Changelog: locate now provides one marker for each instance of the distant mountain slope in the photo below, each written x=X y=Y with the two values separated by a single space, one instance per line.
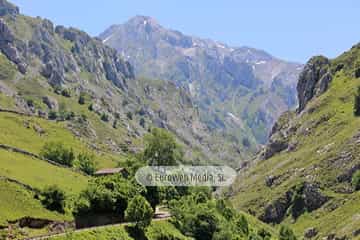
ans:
x=303 y=177
x=239 y=91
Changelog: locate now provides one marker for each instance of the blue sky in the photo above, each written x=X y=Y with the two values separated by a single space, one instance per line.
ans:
x=292 y=30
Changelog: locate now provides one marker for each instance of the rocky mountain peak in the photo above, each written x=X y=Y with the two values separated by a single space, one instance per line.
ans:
x=140 y=20
x=8 y=8
x=313 y=80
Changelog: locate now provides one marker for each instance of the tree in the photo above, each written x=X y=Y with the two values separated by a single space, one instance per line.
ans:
x=139 y=212
x=286 y=233
x=152 y=195
x=357 y=103
x=54 y=199
x=57 y=152
x=355 y=181
x=161 y=148
x=87 y=163
x=108 y=194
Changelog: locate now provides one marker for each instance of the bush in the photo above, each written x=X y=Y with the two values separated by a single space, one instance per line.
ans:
x=91 y=107
x=129 y=115
x=81 y=100
x=87 y=163
x=242 y=225
x=57 y=152
x=355 y=181
x=286 y=233
x=54 y=199
x=66 y=93
x=142 y=122
x=104 y=117
x=357 y=103
x=52 y=115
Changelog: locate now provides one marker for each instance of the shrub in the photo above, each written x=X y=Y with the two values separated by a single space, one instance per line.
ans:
x=57 y=152
x=30 y=103
x=91 y=107
x=355 y=181
x=81 y=100
x=286 y=233
x=66 y=93
x=54 y=199
x=52 y=115
x=242 y=225
x=129 y=115
x=357 y=103
x=142 y=122
x=104 y=117
x=87 y=163
x=115 y=124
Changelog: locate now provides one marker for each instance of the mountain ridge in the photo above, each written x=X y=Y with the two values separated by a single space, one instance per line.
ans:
x=222 y=80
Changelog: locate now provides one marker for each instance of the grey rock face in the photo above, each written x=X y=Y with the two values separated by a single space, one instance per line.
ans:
x=275 y=211
x=313 y=80
x=7 y=8
x=310 y=232
x=8 y=46
x=313 y=198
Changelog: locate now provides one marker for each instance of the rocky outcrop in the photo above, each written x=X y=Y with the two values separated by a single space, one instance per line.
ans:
x=9 y=48
x=310 y=233
x=308 y=194
x=276 y=211
x=62 y=51
x=7 y=8
x=313 y=80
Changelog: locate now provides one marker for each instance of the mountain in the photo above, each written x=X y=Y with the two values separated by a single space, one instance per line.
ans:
x=240 y=91
x=54 y=61
x=306 y=174
x=70 y=105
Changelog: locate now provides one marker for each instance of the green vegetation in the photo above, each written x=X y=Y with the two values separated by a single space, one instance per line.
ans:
x=40 y=174
x=16 y=202
x=286 y=233
x=161 y=148
x=57 y=152
x=197 y=215
x=322 y=134
x=107 y=233
x=54 y=199
x=357 y=103
x=355 y=181
x=87 y=163
x=105 y=195
x=139 y=212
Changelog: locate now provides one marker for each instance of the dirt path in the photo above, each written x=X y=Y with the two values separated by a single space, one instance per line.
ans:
x=160 y=215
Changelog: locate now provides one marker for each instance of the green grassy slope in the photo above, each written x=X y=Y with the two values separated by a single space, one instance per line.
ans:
x=325 y=132
x=16 y=202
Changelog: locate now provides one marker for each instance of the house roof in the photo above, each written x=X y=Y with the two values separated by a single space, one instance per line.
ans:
x=109 y=171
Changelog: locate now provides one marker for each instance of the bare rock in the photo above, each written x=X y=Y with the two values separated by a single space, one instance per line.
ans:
x=310 y=232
